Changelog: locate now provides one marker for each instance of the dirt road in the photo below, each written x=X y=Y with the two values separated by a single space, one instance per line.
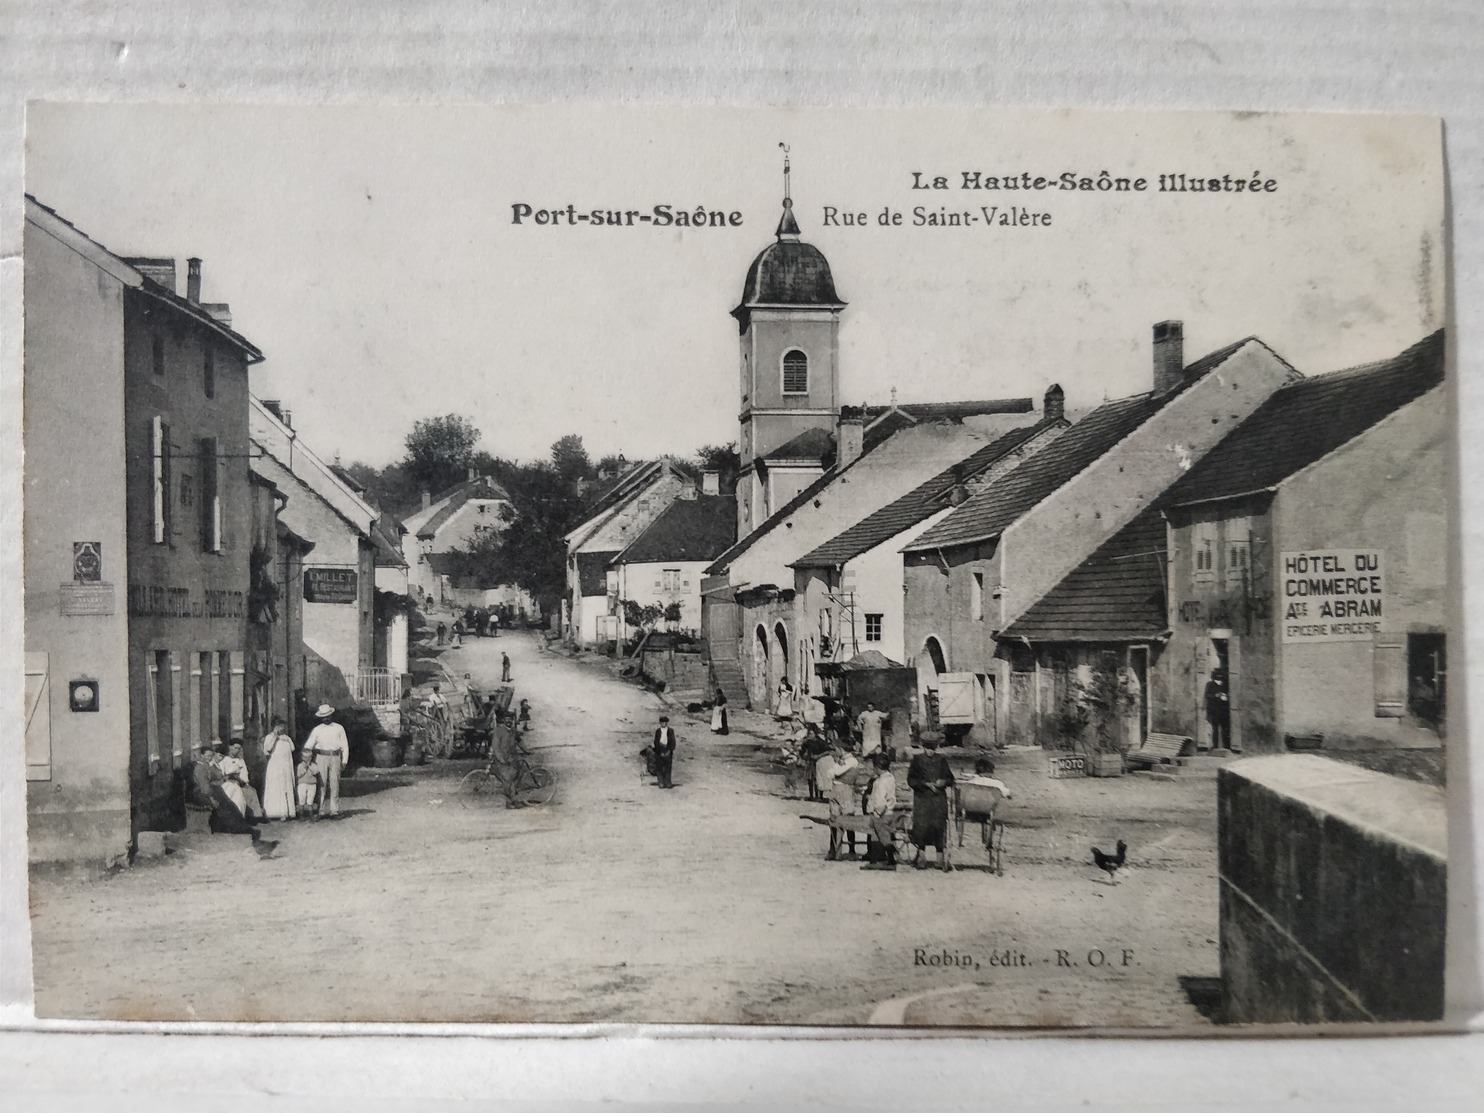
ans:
x=623 y=902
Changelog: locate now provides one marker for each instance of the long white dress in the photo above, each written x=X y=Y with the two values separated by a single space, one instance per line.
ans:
x=785 y=706
x=278 y=779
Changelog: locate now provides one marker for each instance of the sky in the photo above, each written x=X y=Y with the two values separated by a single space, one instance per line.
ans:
x=371 y=251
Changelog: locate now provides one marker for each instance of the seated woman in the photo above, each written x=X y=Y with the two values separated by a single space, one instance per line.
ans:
x=236 y=784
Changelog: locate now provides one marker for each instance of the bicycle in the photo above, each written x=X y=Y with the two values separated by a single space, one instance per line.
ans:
x=532 y=785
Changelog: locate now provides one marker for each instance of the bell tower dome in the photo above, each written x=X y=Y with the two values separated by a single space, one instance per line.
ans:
x=789 y=322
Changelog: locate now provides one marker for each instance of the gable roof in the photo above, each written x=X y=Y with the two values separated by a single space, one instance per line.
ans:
x=479 y=489
x=48 y=220
x=1117 y=593
x=806 y=494
x=884 y=421
x=814 y=444
x=920 y=503
x=690 y=530
x=987 y=514
x=1301 y=423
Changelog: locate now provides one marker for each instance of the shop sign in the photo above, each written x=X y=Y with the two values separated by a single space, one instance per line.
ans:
x=87 y=599
x=1331 y=595
x=330 y=585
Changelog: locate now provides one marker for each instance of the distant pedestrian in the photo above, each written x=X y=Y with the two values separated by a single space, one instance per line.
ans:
x=784 y=707
x=458 y=634
x=504 y=667
x=278 y=777
x=442 y=633
x=1218 y=710
x=525 y=715
x=330 y=748
x=664 y=754
x=719 y=714
x=869 y=725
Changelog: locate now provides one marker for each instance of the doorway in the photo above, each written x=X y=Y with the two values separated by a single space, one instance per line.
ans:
x=1136 y=722
x=1216 y=698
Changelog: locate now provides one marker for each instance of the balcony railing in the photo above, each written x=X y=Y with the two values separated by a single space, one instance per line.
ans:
x=377 y=685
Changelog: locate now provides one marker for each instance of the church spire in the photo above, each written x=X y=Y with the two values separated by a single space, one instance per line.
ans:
x=788 y=228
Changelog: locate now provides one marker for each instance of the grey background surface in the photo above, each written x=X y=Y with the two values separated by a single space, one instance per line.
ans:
x=1423 y=56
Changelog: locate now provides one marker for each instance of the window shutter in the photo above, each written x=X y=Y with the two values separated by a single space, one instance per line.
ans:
x=38 y=716
x=1389 y=662
x=795 y=372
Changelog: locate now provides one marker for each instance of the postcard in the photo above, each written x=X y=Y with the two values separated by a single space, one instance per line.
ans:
x=879 y=568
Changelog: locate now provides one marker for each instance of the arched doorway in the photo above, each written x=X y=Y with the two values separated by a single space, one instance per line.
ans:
x=780 y=655
x=930 y=664
x=761 y=676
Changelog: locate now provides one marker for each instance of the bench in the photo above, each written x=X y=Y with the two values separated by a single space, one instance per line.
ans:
x=1159 y=748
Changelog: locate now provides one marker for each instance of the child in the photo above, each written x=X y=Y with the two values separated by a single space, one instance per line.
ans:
x=306 y=778
x=881 y=800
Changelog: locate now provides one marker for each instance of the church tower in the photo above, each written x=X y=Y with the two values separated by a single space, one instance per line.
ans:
x=789 y=321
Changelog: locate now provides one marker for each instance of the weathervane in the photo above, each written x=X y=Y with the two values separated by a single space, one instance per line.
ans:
x=787 y=192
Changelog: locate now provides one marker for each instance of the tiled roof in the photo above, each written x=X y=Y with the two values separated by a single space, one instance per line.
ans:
x=479 y=489
x=1117 y=593
x=919 y=504
x=805 y=495
x=986 y=514
x=813 y=445
x=1302 y=422
x=687 y=531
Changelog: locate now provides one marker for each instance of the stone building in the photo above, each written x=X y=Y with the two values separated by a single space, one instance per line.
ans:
x=137 y=537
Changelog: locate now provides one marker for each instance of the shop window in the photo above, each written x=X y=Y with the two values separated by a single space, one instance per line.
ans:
x=873 y=628
x=795 y=373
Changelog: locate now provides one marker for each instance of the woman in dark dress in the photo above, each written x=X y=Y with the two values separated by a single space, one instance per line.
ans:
x=930 y=777
x=719 y=714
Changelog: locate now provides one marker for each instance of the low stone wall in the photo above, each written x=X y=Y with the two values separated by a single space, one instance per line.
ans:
x=677 y=670
x=1333 y=893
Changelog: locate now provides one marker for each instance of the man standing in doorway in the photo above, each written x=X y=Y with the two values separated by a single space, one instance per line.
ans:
x=664 y=753
x=1218 y=710
x=330 y=748
x=869 y=724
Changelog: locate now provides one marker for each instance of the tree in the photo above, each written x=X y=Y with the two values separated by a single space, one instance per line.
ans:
x=722 y=460
x=439 y=451
x=569 y=458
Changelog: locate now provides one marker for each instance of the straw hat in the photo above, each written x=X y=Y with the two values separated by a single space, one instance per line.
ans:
x=325 y=710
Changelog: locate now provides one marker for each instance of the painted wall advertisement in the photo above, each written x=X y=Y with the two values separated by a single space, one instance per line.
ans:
x=1331 y=595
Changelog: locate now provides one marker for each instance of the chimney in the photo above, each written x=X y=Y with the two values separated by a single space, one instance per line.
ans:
x=960 y=491
x=688 y=489
x=849 y=438
x=161 y=269
x=1169 y=356
x=275 y=406
x=288 y=418
x=1054 y=403
x=222 y=312
x=711 y=482
x=427 y=500
x=193 y=279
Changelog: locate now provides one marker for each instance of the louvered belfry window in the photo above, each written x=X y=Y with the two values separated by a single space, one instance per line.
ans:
x=795 y=372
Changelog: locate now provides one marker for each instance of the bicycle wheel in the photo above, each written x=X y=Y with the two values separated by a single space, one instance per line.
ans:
x=479 y=787
x=538 y=785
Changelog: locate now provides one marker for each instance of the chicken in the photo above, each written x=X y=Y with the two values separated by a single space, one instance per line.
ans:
x=1110 y=864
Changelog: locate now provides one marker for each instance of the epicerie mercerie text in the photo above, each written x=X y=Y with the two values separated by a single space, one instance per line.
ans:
x=659 y=217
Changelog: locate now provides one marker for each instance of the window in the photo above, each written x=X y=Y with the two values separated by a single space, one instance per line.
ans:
x=1236 y=564
x=158 y=346
x=159 y=436
x=1427 y=676
x=211 y=497
x=873 y=628
x=1204 y=567
x=671 y=580
x=204 y=726
x=795 y=372
x=208 y=371
x=976 y=596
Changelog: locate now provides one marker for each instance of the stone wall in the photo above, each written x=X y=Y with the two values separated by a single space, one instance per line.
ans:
x=1333 y=893
x=677 y=670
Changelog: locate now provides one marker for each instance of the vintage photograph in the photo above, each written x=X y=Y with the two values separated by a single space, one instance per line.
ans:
x=897 y=568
